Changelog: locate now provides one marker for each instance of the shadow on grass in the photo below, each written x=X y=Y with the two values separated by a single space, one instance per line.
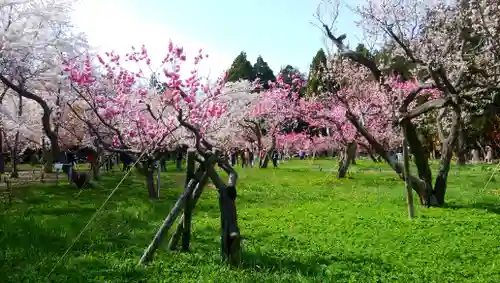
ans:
x=482 y=205
x=46 y=219
x=315 y=266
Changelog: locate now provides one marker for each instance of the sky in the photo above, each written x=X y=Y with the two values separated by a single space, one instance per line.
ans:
x=281 y=31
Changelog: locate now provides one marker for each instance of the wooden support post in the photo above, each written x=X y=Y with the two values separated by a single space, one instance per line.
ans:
x=188 y=207
x=170 y=219
x=158 y=178
x=174 y=240
x=406 y=172
x=190 y=165
x=230 y=234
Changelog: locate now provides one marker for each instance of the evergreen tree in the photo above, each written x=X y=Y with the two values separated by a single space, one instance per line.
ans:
x=263 y=72
x=362 y=48
x=241 y=69
x=313 y=83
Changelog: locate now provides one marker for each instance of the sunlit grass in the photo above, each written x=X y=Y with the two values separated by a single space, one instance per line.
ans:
x=300 y=225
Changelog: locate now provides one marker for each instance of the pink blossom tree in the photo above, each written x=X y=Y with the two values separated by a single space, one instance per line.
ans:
x=356 y=91
x=278 y=108
x=126 y=114
x=442 y=43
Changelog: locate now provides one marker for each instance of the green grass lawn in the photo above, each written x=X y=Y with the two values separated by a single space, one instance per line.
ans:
x=300 y=225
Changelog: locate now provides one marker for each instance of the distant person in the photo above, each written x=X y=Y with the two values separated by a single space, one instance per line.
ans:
x=179 y=160
x=71 y=158
x=126 y=160
x=489 y=154
x=233 y=157
x=163 y=164
x=246 y=158
x=243 y=160
x=302 y=155
x=274 y=158
x=251 y=157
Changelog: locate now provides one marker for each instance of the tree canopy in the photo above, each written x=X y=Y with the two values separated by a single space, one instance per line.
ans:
x=241 y=69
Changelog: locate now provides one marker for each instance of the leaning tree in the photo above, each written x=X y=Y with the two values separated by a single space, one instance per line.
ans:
x=453 y=48
x=356 y=91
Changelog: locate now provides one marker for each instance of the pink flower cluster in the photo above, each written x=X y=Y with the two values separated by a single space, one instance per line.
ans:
x=135 y=113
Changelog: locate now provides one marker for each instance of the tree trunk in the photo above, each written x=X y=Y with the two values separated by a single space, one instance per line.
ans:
x=14 y=157
x=421 y=161
x=15 y=147
x=442 y=175
x=418 y=184
x=353 y=158
x=2 y=157
x=265 y=162
x=49 y=161
x=151 y=185
x=428 y=195
x=95 y=169
x=47 y=111
x=447 y=145
x=460 y=149
x=95 y=164
x=148 y=171
x=346 y=159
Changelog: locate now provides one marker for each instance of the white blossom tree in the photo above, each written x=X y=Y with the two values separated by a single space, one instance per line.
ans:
x=37 y=39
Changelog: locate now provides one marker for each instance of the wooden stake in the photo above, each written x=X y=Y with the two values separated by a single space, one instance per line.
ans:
x=188 y=207
x=170 y=219
x=190 y=165
x=174 y=240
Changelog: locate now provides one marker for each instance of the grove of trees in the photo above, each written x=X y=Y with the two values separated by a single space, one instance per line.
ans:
x=433 y=81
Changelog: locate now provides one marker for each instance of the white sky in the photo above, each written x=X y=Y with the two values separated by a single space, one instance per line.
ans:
x=113 y=25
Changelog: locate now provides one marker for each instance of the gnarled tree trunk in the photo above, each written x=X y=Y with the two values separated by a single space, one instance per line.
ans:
x=429 y=195
x=14 y=150
x=95 y=164
x=46 y=124
x=2 y=157
x=265 y=162
x=147 y=169
x=346 y=159
x=460 y=147
x=14 y=172
x=48 y=159
x=150 y=183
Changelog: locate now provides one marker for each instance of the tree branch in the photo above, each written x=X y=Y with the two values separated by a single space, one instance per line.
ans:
x=426 y=107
